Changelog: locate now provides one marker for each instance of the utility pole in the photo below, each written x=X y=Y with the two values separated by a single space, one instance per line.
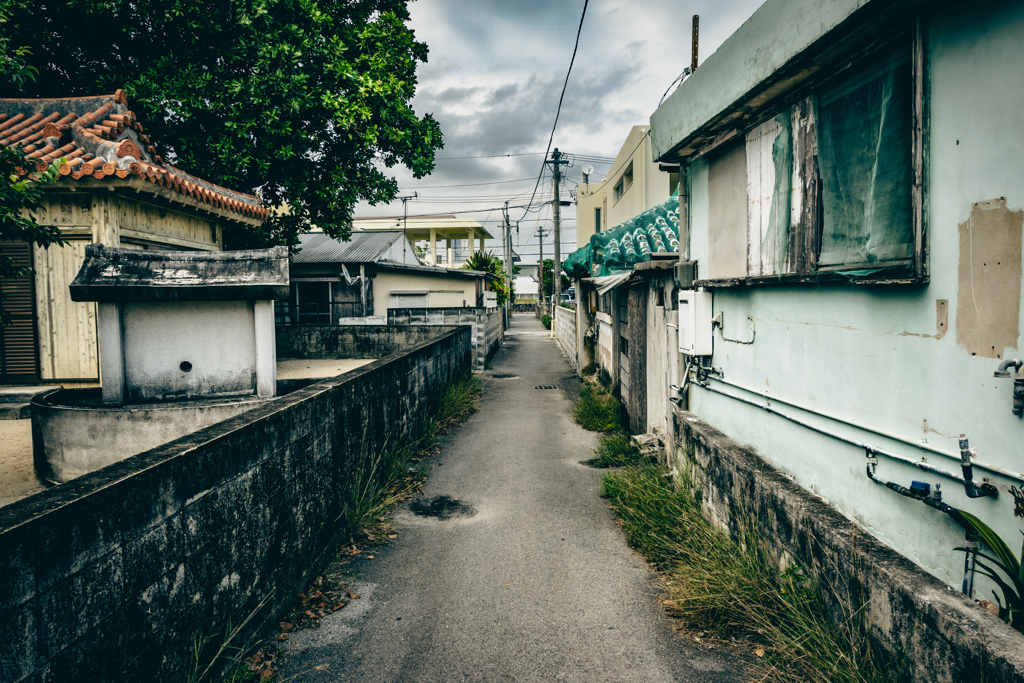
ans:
x=506 y=230
x=556 y=172
x=540 y=290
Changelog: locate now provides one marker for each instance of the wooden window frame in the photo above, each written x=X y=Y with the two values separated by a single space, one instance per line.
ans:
x=805 y=242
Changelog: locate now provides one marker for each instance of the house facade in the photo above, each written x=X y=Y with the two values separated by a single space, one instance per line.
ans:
x=114 y=189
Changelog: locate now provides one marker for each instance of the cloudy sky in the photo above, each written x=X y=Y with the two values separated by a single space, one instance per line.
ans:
x=493 y=78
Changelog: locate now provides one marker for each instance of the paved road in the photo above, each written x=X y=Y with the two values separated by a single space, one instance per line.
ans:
x=538 y=585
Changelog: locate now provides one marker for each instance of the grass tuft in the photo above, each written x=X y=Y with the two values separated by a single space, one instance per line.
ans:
x=733 y=586
x=545 y=320
x=597 y=409
x=615 y=450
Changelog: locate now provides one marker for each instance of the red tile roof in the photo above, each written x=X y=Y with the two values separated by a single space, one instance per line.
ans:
x=101 y=138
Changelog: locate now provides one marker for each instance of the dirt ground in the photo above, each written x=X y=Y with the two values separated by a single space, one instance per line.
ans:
x=17 y=478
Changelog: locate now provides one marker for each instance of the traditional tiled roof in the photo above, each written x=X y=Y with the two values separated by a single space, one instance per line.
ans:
x=101 y=138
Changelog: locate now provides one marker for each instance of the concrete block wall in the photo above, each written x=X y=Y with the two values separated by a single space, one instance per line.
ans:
x=487 y=323
x=920 y=622
x=110 y=577
x=564 y=326
x=351 y=341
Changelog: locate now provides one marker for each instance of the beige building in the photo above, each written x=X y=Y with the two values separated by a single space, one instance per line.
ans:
x=115 y=190
x=634 y=184
x=443 y=240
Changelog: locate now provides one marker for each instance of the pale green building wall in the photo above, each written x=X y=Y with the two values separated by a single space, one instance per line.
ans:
x=870 y=355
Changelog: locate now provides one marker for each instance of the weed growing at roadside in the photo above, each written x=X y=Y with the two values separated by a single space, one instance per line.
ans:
x=597 y=410
x=545 y=320
x=734 y=586
x=615 y=450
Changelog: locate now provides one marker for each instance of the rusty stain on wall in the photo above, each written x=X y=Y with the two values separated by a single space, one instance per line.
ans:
x=988 y=293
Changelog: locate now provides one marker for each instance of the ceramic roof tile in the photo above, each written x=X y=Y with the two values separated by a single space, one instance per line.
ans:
x=99 y=137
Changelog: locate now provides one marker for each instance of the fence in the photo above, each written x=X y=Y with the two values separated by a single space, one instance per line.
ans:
x=564 y=326
x=488 y=326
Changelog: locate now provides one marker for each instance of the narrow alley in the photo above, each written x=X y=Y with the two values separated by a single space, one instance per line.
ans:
x=533 y=582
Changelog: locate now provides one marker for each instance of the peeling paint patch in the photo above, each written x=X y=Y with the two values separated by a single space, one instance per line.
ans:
x=989 y=278
x=941 y=322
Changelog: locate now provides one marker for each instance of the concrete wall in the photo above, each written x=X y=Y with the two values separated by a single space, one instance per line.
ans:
x=352 y=341
x=877 y=364
x=442 y=292
x=915 y=620
x=487 y=324
x=564 y=326
x=112 y=577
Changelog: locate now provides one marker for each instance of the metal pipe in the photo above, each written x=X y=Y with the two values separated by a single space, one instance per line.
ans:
x=918 y=444
x=889 y=454
x=1004 y=367
x=972 y=490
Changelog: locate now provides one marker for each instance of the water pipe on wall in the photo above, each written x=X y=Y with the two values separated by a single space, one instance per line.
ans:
x=922 y=491
x=1018 y=382
x=973 y=490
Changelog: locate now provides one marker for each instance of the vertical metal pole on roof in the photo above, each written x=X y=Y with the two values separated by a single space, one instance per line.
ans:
x=696 y=33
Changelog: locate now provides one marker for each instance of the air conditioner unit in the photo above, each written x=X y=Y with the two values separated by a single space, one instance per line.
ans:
x=695 y=338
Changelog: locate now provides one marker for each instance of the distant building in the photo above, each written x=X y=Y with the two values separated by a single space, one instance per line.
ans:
x=461 y=236
x=114 y=190
x=527 y=282
x=335 y=282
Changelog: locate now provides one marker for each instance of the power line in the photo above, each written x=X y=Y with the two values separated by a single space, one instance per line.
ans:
x=491 y=156
x=437 y=187
x=558 y=111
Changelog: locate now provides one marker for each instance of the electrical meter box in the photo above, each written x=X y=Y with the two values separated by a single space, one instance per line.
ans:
x=694 y=322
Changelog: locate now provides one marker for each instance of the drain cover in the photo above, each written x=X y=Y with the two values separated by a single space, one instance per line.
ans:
x=441 y=507
x=504 y=376
x=546 y=386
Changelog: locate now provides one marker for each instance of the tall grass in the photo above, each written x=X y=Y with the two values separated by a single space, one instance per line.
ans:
x=597 y=409
x=615 y=450
x=734 y=586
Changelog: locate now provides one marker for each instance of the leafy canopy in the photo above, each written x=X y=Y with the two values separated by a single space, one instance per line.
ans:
x=488 y=262
x=306 y=102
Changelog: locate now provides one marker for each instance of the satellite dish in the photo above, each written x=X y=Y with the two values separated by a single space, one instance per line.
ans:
x=588 y=170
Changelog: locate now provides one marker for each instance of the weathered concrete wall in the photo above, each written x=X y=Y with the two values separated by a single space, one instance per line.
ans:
x=921 y=623
x=488 y=328
x=111 y=577
x=907 y=369
x=352 y=341
x=564 y=326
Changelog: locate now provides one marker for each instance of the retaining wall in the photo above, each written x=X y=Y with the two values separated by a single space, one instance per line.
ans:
x=564 y=326
x=351 y=341
x=110 y=577
x=923 y=625
x=487 y=323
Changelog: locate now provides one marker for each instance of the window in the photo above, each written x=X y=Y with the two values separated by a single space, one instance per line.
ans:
x=597 y=219
x=409 y=299
x=825 y=188
x=625 y=181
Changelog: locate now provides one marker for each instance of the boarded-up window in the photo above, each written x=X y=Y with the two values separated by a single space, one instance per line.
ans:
x=864 y=155
x=409 y=300
x=727 y=213
x=770 y=185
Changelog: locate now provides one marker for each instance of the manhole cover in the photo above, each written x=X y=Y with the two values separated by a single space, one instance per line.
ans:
x=546 y=386
x=504 y=376
x=441 y=507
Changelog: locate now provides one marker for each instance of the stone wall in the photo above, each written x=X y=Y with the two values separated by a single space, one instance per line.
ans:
x=564 y=326
x=488 y=327
x=920 y=622
x=111 y=577
x=351 y=341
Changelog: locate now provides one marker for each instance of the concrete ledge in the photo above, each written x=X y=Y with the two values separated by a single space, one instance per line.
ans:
x=919 y=621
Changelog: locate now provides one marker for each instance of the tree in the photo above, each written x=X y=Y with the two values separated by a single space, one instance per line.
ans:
x=20 y=193
x=549 y=280
x=305 y=102
x=488 y=262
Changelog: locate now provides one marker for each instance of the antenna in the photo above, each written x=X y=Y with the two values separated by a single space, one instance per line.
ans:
x=587 y=170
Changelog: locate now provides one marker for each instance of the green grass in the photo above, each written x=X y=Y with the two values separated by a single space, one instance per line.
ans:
x=597 y=409
x=545 y=320
x=734 y=587
x=615 y=450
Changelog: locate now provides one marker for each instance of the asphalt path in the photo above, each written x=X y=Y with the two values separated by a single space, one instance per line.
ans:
x=529 y=580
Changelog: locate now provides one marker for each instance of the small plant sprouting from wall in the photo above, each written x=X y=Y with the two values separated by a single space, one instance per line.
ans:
x=734 y=586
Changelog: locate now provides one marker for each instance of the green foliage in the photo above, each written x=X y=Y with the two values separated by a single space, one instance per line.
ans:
x=306 y=101
x=733 y=586
x=597 y=409
x=545 y=320
x=488 y=262
x=615 y=450
x=1009 y=578
x=549 y=279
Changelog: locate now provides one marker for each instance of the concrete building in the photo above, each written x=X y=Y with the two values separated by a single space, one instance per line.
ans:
x=634 y=184
x=462 y=236
x=356 y=282
x=527 y=282
x=115 y=190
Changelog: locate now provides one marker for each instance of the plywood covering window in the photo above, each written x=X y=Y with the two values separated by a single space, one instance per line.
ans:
x=830 y=187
